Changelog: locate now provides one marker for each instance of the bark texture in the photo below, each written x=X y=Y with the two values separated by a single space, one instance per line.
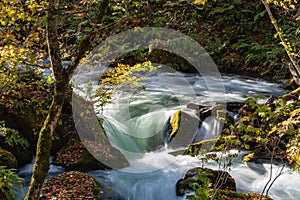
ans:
x=62 y=77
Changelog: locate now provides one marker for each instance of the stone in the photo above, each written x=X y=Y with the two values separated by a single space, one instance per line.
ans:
x=75 y=156
x=218 y=178
x=76 y=185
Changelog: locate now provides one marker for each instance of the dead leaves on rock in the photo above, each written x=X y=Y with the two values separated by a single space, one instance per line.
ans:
x=70 y=185
x=70 y=154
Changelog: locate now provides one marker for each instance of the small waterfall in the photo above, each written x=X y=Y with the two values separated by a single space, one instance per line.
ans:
x=137 y=135
x=252 y=177
x=209 y=129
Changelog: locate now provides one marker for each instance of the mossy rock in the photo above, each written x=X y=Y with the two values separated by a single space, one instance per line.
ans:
x=23 y=155
x=184 y=127
x=27 y=122
x=8 y=159
x=217 y=178
x=229 y=195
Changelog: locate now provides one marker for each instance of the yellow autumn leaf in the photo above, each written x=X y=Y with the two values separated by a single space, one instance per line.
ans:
x=36 y=39
x=199 y=2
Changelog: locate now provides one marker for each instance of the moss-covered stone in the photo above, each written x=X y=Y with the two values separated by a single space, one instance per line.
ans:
x=217 y=178
x=8 y=159
x=197 y=148
x=229 y=195
x=184 y=128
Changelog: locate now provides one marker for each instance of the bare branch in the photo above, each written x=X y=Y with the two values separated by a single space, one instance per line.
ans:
x=86 y=44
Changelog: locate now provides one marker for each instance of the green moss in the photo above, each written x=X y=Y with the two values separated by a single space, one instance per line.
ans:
x=196 y=148
x=175 y=123
x=228 y=194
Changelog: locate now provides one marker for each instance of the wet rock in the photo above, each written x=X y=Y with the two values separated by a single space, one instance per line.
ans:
x=204 y=111
x=92 y=137
x=75 y=156
x=217 y=178
x=184 y=128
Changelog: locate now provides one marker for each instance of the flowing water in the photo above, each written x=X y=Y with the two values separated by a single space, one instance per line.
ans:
x=138 y=121
x=26 y=171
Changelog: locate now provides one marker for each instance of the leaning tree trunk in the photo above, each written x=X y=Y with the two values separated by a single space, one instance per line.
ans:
x=294 y=66
x=42 y=163
x=61 y=81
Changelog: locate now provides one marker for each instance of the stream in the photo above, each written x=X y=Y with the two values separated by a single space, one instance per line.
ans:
x=136 y=125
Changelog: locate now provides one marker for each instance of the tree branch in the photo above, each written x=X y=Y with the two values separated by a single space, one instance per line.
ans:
x=294 y=68
x=86 y=43
x=52 y=39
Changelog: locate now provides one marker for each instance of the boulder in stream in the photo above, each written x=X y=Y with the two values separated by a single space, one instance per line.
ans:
x=217 y=179
x=75 y=156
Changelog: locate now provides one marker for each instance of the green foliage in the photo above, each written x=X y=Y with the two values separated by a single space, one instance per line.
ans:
x=270 y=130
x=203 y=191
x=237 y=41
x=24 y=91
x=12 y=137
x=8 y=180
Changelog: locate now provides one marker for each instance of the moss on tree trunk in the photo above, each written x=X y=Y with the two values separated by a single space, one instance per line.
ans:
x=42 y=163
x=62 y=77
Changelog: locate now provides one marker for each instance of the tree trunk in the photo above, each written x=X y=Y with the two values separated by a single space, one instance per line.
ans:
x=294 y=66
x=61 y=81
x=62 y=77
x=42 y=162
